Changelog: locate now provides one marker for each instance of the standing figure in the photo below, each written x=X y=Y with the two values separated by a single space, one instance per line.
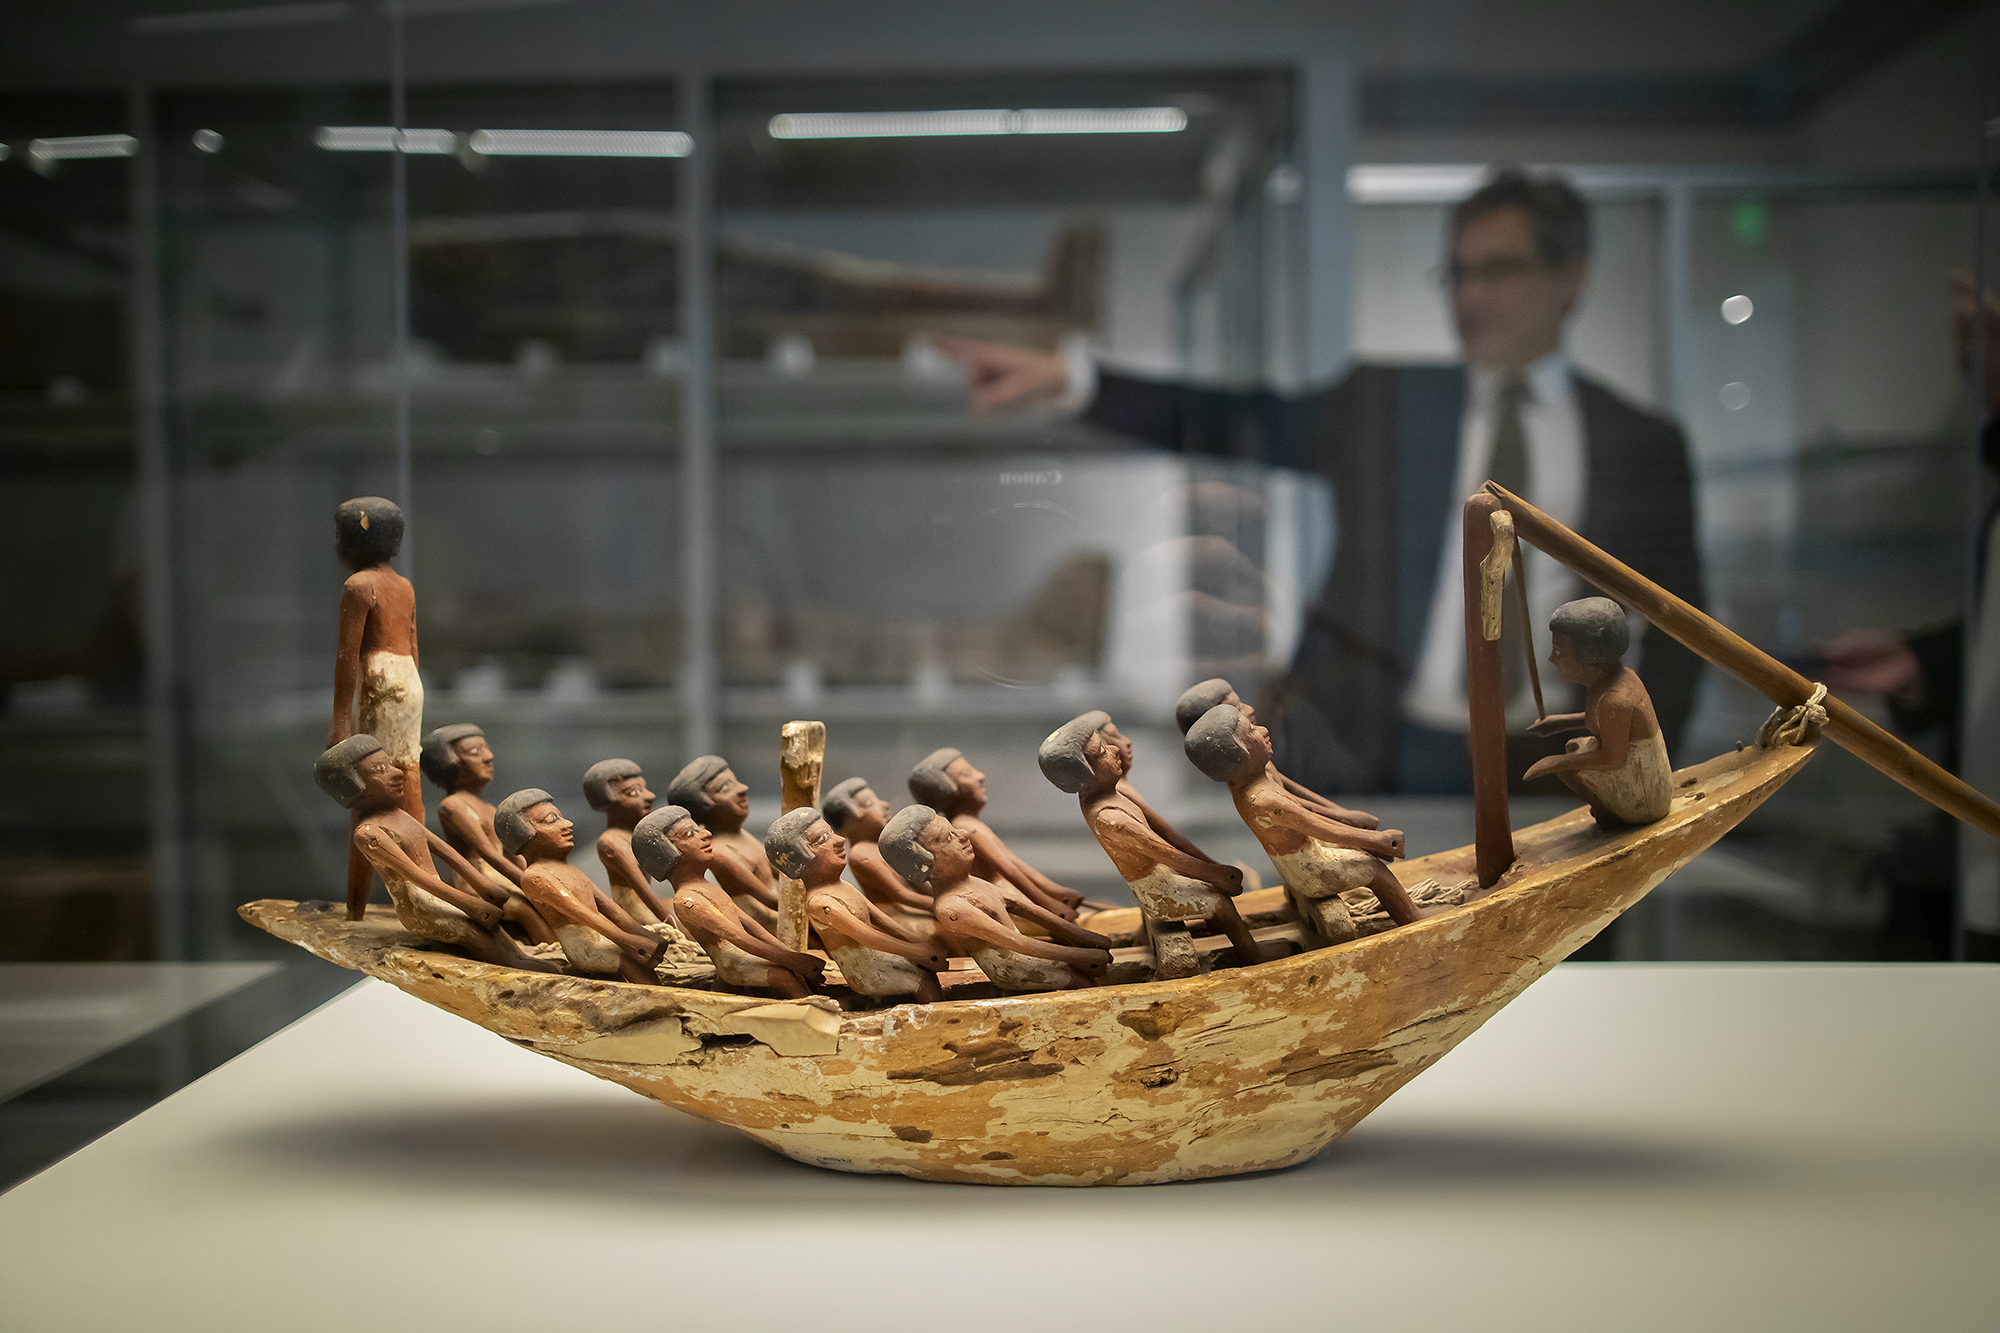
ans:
x=457 y=758
x=856 y=813
x=1621 y=767
x=376 y=689
x=618 y=788
x=670 y=845
x=946 y=781
x=709 y=790
x=1198 y=699
x=974 y=916
x=1172 y=880
x=595 y=933
x=877 y=955
x=365 y=778
x=1318 y=858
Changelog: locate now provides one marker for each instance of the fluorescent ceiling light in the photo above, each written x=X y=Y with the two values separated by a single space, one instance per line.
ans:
x=930 y=124
x=1385 y=183
x=581 y=143
x=82 y=145
x=260 y=16
x=382 y=139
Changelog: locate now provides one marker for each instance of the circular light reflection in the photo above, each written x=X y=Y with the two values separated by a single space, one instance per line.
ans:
x=208 y=141
x=1737 y=309
x=1735 y=396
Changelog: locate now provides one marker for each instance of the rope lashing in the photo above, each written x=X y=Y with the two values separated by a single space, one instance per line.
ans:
x=1795 y=724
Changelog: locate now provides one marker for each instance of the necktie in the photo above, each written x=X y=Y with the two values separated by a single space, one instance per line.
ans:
x=1509 y=467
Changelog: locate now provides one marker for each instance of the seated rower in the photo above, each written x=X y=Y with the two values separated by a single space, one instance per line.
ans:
x=618 y=788
x=365 y=778
x=877 y=955
x=1170 y=877
x=457 y=758
x=669 y=845
x=709 y=790
x=1198 y=699
x=1621 y=767
x=946 y=781
x=856 y=813
x=596 y=934
x=1318 y=858
x=935 y=856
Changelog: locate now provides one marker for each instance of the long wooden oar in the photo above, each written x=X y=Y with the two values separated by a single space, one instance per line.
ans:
x=1751 y=665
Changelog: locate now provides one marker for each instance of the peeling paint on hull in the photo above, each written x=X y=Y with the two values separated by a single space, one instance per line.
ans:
x=1244 y=1069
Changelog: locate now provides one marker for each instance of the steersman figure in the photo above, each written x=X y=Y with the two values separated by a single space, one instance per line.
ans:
x=1621 y=767
x=1171 y=879
x=618 y=788
x=365 y=778
x=596 y=934
x=877 y=955
x=376 y=689
x=975 y=917
x=1317 y=857
x=670 y=845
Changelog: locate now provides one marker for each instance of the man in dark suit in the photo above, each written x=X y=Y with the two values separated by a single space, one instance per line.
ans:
x=1375 y=699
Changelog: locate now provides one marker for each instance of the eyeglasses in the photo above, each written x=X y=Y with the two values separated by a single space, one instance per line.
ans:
x=1505 y=268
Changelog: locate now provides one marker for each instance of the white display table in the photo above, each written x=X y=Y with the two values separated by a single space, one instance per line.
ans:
x=1629 y=1146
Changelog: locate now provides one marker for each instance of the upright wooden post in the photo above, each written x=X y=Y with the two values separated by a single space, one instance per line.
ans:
x=1489 y=550
x=801 y=760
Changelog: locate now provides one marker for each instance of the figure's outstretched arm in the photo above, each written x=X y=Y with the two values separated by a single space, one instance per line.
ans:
x=347 y=663
x=975 y=924
x=1555 y=724
x=1165 y=830
x=1060 y=929
x=1286 y=812
x=1331 y=809
x=838 y=917
x=1116 y=828
x=1022 y=875
x=735 y=878
x=746 y=934
x=619 y=863
x=484 y=883
x=877 y=880
x=1614 y=746
x=383 y=852
x=471 y=831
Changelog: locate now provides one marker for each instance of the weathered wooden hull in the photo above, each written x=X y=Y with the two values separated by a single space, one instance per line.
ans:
x=1244 y=1069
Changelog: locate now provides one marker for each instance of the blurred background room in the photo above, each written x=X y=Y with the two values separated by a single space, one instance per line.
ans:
x=649 y=315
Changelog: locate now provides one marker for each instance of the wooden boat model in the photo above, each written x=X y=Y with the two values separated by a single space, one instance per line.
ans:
x=1240 y=1069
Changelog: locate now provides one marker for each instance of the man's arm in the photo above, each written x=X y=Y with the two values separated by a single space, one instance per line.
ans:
x=970 y=921
x=482 y=883
x=1555 y=724
x=1116 y=828
x=1614 y=746
x=347 y=663
x=382 y=851
x=837 y=916
x=878 y=881
x=616 y=856
x=1331 y=809
x=1022 y=875
x=747 y=935
x=1165 y=830
x=1287 y=813
x=735 y=878
x=471 y=830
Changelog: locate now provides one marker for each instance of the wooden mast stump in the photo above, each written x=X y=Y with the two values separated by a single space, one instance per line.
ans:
x=1489 y=550
x=801 y=761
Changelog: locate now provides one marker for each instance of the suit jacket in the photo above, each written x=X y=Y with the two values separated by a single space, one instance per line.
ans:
x=1387 y=439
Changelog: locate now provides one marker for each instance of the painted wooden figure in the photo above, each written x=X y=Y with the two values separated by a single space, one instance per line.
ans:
x=975 y=916
x=1173 y=880
x=617 y=787
x=457 y=758
x=1318 y=858
x=878 y=955
x=671 y=845
x=709 y=789
x=946 y=781
x=1198 y=699
x=361 y=774
x=857 y=814
x=1621 y=766
x=376 y=689
x=596 y=934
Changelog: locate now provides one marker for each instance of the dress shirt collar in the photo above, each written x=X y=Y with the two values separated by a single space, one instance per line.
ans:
x=1548 y=382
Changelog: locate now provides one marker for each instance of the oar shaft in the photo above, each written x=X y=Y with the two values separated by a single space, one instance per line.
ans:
x=1751 y=665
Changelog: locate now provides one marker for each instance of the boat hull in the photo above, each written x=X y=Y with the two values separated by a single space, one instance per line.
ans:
x=1245 y=1069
